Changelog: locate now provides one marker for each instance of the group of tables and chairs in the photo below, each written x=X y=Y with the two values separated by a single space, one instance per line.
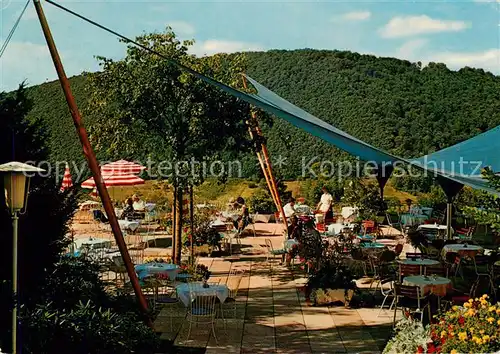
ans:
x=426 y=282
x=197 y=302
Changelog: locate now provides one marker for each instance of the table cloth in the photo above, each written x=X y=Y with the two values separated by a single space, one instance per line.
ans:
x=128 y=225
x=92 y=242
x=409 y=219
x=435 y=285
x=183 y=292
x=462 y=249
x=148 y=269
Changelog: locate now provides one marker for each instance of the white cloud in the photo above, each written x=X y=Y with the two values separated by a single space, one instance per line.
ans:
x=22 y=61
x=409 y=49
x=31 y=62
x=215 y=46
x=404 y=26
x=488 y=59
x=182 y=28
x=357 y=15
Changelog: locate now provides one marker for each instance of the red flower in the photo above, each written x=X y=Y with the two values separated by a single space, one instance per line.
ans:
x=431 y=348
x=461 y=320
x=420 y=349
x=443 y=340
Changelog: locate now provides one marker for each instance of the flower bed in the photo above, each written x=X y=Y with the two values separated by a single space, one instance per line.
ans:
x=473 y=328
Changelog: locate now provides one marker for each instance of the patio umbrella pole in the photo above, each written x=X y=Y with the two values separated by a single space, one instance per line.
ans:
x=265 y=163
x=449 y=206
x=92 y=161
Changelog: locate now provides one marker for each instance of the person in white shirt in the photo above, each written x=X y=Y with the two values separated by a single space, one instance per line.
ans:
x=325 y=204
x=289 y=208
x=138 y=205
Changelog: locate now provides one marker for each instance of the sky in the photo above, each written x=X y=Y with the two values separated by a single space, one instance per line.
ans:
x=457 y=33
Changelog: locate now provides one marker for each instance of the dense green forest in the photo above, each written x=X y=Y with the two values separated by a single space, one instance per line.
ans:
x=393 y=104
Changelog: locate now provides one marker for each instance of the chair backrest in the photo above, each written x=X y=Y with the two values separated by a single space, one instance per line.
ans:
x=409 y=269
x=387 y=256
x=269 y=245
x=481 y=259
x=398 y=249
x=233 y=283
x=413 y=255
x=412 y=292
x=202 y=306
x=436 y=270
x=357 y=254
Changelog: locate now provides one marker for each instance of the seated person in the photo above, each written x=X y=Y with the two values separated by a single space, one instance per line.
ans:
x=138 y=205
x=128 y=211
x=244 y=218
x=289 y=209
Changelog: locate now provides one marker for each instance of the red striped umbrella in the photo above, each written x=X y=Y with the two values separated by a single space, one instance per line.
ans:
x=122 y=167
x=66 y=182
x=114 y=180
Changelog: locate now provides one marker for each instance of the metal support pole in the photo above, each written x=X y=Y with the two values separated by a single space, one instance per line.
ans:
x=191 y=220
x=267 y=167
x=92 y=161
x=449 y=207
x=15 y=219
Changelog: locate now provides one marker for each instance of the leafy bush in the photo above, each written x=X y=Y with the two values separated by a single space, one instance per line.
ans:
x=203 y=233
x=75 y=314
x=85 y=329
x=261 y=202
x=409 y=337
x=365 y=196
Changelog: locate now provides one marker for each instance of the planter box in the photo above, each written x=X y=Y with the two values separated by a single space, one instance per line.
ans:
x=322 y=297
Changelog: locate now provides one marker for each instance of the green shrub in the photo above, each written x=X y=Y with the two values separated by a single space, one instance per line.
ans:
x=85 y=329
x=261 y=202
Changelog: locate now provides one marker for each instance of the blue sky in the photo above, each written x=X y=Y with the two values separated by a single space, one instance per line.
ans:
x=457 y=33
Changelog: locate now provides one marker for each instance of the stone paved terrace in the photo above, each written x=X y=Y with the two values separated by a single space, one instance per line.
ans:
x=273 y=316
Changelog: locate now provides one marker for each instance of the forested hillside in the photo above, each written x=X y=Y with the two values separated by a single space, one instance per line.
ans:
x=392 y=104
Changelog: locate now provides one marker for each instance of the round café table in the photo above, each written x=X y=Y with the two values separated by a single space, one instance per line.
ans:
x=149 y=269
x=462 y=249
x=429 y=284
x=420 y=262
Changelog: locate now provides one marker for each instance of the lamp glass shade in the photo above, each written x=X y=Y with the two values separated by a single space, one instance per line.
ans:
x=15 y=190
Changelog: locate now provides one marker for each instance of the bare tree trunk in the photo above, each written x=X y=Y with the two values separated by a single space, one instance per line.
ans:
x=174 y=223
x=178 y=226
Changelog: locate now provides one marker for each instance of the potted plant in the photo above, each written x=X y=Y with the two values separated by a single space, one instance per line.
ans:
x=332 y=280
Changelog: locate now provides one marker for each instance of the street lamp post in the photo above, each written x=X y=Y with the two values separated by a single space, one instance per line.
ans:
x=16 y=177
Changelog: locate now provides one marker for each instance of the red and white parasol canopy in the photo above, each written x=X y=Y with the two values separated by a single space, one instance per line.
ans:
x=66 y=182
x=114 y=180
x=122 y=167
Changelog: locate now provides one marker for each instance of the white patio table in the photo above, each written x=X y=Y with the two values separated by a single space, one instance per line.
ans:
x=184 y=291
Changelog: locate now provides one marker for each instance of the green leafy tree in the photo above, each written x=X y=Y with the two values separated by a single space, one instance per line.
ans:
x=143 y=107
x=486 y=209
x=43 y=227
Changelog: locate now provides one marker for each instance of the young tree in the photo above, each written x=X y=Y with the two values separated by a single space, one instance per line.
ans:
x=146 y=108
x=43 y=227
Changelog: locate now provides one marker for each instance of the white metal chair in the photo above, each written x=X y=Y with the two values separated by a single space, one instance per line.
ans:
x=271 y=251
x=386 y=293
x=201 y=310
x=233 y=283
